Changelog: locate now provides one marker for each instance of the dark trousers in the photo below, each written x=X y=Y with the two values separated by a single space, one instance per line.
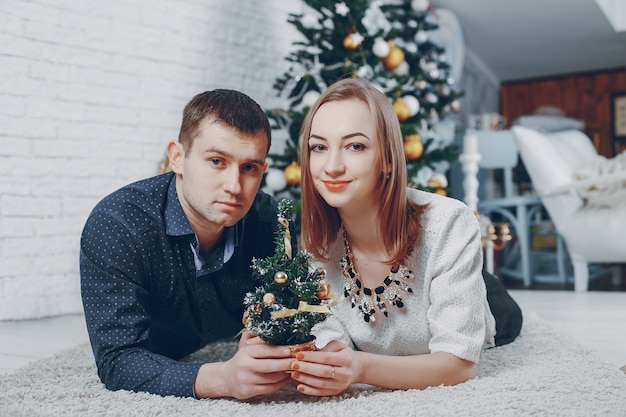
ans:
x=505 y=310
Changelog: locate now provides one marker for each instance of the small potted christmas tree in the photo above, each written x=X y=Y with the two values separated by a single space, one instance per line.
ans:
x=290 y=298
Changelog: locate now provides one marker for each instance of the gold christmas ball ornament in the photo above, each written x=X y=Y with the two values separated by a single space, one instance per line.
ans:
x=438 y=180
x=350 y=43
x=441 y=191
x=280 y=277
x=269 y=299
x=323 y=291
x=292 y=173
x=402 y=109
x=413 y=147
x=322 y=273
x=394 y=58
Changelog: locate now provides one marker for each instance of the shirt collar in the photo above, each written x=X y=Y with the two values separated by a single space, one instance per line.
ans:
x=176 y=223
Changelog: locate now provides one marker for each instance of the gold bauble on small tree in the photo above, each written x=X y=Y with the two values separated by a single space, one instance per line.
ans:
x=350 y=42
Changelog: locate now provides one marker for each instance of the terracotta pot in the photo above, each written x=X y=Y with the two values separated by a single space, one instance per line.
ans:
x=302 y=347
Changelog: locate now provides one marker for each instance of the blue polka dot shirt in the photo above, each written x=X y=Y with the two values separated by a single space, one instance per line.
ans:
x=147 y=300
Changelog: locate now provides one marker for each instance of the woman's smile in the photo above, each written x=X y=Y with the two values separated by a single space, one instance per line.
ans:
x=335 y=185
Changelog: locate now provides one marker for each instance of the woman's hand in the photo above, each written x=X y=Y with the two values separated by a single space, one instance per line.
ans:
x=334 y=368
x=328 y=371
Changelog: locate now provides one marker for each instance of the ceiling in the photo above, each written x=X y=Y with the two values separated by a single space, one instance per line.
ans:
x=524 y=39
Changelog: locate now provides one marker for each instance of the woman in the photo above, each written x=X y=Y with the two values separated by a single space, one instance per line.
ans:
x=415 y=312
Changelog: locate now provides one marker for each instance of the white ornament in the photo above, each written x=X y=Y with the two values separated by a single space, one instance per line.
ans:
x=275 y=179
x=410 y=48
x=381 y=48
x=412 y=103
x=428 y=66
x=310 y=22
x=423 y=176
x=421 y=84
x=432 y=97
x=420 y=6
x=341 y=9
x=421 y=36
x=309 y=98
x=357 y=38
x=402 y=69
x=440 y=178
x=375 y=20
x=455 y=106
x=366 y=72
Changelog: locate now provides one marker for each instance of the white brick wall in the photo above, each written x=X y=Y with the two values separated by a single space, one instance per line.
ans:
x=90 y=93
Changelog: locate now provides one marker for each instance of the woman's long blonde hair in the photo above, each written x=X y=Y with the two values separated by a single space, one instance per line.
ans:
x=399 y=219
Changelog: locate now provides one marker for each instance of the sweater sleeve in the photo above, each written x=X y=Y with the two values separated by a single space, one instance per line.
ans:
x=458 y=311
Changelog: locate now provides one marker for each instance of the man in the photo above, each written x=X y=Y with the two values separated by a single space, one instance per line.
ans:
x=165 y=262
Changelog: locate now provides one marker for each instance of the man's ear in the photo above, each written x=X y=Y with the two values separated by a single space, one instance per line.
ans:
x=176 y=154
x=265 y=166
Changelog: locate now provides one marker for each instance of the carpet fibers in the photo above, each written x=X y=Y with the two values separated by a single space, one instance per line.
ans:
x=542 y=373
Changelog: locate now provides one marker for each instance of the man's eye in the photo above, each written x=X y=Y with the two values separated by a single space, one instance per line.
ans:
x=249 y=168
x=216 y=161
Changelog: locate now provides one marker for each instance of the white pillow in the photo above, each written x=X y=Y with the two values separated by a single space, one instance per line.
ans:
x=544 y=123
x=609 y=194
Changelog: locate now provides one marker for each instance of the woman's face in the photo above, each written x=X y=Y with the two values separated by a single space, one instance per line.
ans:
x=343 y=154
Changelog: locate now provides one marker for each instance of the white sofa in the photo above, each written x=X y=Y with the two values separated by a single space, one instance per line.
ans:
x=592 y=233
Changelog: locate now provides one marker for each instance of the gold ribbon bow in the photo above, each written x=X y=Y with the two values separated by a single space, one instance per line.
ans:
x=303 y=306
x=285 y=224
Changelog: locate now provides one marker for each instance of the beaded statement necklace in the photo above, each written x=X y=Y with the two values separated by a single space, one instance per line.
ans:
x=369 y=300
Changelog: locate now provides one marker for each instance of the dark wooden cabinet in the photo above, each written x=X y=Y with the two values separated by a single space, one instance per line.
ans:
x=584 y=96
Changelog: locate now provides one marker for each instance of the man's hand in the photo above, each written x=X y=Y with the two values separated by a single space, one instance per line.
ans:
x=257 y=368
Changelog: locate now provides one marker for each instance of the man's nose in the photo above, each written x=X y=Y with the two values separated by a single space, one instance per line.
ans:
x=232 y=183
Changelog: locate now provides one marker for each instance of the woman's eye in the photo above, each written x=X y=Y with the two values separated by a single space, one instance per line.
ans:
x=356 y=146
x=317 y=148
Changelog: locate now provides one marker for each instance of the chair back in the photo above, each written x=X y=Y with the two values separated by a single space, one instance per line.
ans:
x=551 y=160
x=498 y=150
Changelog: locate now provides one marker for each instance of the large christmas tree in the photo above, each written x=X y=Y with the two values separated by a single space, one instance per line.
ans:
x=389 y=44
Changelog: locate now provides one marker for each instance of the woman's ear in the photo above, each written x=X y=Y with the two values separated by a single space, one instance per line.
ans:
x=176 y=154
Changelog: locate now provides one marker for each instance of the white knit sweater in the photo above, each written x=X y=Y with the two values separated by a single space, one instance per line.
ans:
x=448 y=310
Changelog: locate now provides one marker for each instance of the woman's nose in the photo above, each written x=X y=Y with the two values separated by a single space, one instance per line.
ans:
x=334 y=163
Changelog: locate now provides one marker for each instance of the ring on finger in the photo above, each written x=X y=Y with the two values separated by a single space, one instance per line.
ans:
x=332 y=371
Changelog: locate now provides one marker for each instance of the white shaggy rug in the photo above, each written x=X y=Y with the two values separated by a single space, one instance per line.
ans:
x=542 y=373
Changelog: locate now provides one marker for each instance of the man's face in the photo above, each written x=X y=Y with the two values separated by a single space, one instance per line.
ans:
x=218 y=177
